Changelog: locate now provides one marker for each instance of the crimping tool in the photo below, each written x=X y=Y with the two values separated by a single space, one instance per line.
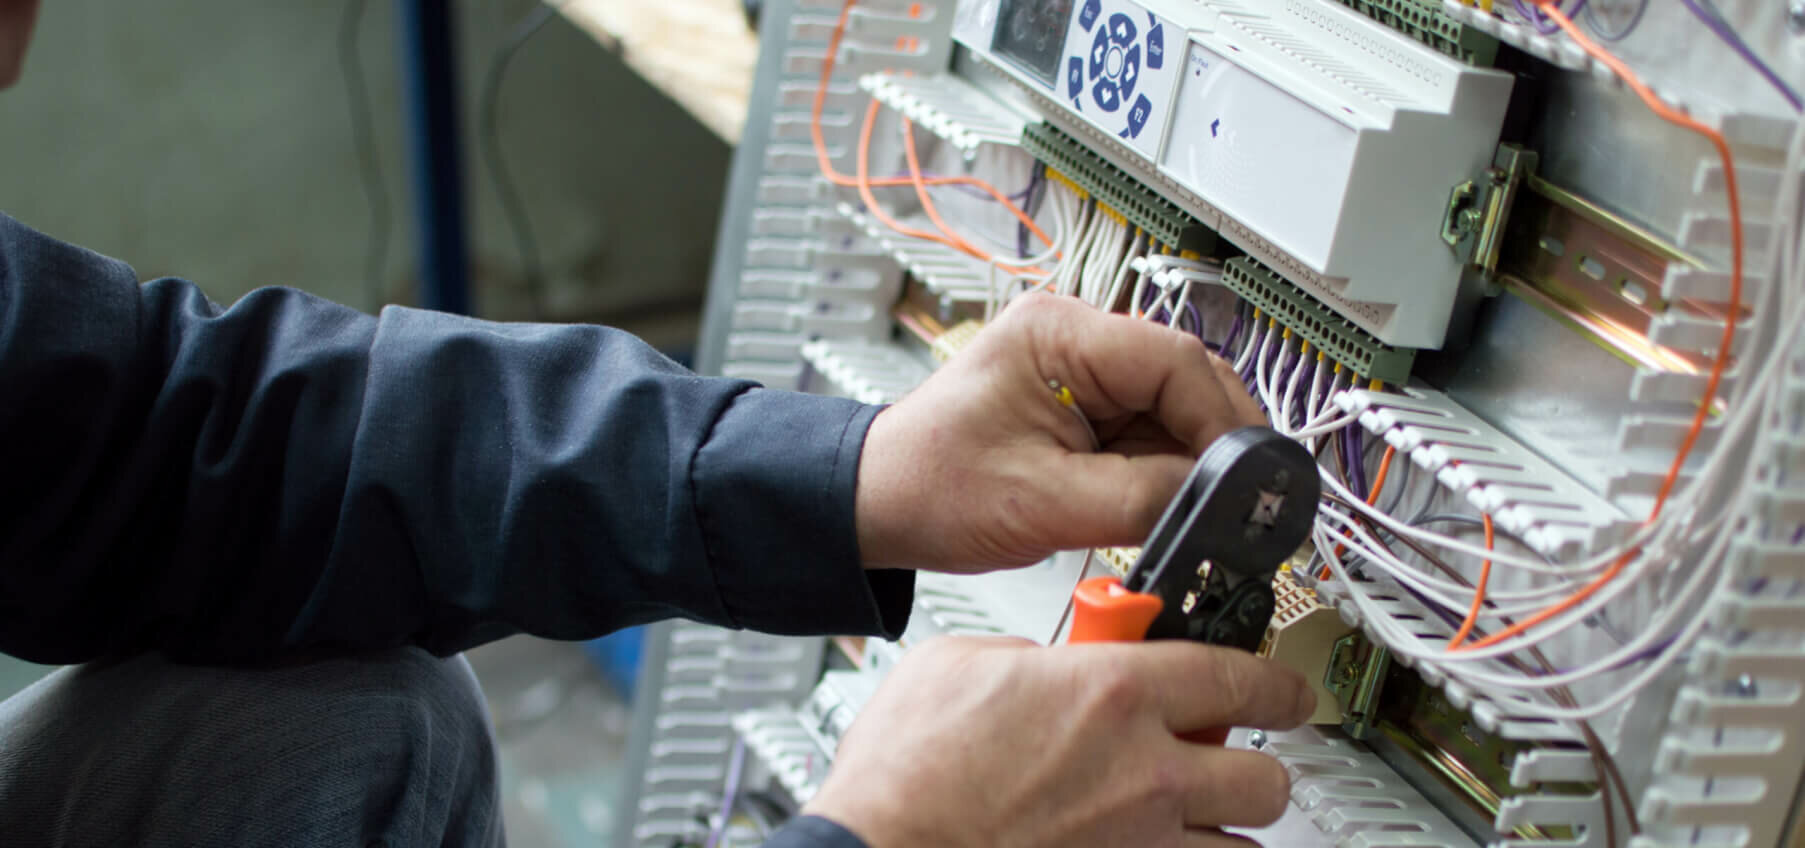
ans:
x=1206 y=572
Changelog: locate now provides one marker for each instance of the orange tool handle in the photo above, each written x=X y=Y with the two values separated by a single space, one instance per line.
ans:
x=1103 y=610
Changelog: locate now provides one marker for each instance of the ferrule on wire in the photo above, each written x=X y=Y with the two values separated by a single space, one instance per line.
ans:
x=1063 y=394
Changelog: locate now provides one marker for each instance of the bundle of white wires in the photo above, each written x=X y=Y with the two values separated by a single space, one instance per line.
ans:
x=1679 y=559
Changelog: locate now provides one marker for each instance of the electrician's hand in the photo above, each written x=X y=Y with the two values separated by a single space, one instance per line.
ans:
x=998 y=743
x=981 y=467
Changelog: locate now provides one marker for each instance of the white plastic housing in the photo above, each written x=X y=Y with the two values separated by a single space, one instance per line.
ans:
x=1316 y=139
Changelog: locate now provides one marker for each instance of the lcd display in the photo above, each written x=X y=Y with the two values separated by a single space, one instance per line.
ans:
x=1031 y=33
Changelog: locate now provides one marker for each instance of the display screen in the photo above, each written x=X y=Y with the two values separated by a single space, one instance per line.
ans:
x=1031 y=33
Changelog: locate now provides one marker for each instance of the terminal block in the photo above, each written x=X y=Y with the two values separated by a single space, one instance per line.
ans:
x=1321 y=326
x=1425 y=21
x=1301 y=637
x=1119 y=560
x=1116 y=189
x=955 y=339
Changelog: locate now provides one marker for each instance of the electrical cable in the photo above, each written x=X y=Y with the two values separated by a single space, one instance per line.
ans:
x=865 y=184
x=1479 y=586
x=1604 y=764
x=921 y=189
x=488 y=142
x=1713 y=20
x=1425 y=518
x=1037 y=181
x=730 y=794
x=1372 y=495
x=1595 y=19
x=1535 y=18
x=1720 y=360
x=369 y=158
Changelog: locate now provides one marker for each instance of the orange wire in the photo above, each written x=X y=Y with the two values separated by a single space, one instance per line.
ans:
x=1718 y=364
x=1485 y=576
x=1372 y=497
x=933 y=212
x=863 y=182
x=837 y=178
x=920 y=189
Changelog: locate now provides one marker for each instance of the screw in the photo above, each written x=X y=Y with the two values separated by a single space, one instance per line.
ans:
x=1744 y=686
x=1795 y=17
x=1256 y=739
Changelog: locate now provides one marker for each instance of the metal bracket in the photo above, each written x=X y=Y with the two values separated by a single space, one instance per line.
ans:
x=1356 y=669
x=1461 y=219
x=1473 y=225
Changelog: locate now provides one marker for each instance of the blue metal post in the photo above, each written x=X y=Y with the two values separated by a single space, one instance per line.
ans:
x=428 y=60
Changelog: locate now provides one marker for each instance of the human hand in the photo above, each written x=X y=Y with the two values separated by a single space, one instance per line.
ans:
x=981 y=468
x=998 y=743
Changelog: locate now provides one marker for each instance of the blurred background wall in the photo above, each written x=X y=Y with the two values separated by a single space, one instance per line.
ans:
x=214 y=140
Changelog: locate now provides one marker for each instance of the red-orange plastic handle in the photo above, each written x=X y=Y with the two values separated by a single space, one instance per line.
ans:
x=1104 y=611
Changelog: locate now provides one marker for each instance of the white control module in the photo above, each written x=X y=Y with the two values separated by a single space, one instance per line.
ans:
x=1317 y=140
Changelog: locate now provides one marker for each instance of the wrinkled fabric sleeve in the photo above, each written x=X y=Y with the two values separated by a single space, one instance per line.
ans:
x=288 y=474
x=813 y=832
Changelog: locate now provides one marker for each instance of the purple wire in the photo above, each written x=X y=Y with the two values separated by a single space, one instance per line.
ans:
x=1353 y=455
x=1253 y=366
x=1309 y=379
x=730 y=794
x=1543 y=24
x=974 y=191
x=1148 y=301
x=1709 y=16
x=1036 y=182
x=1290 y=364
x=1643 y=655
x=1234 y=332
x=1540 y=20
x=1253 y=343
x=1165 y=315
x=1454 y=621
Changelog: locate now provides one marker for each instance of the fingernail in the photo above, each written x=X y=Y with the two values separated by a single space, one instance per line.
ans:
x=1306 y=703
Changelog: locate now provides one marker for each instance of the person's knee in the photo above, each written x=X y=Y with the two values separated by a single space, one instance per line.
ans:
x=387 y=747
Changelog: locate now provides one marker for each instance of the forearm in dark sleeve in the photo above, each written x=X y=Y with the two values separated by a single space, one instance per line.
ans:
x=290 y=474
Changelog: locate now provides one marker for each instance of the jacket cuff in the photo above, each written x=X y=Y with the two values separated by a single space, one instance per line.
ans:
x=773 y=486
x=813 y=832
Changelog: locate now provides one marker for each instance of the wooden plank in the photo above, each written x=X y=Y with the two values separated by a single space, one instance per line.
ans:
x=700 y=53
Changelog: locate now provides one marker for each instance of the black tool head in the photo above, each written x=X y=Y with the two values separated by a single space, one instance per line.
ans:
x=1248 y=505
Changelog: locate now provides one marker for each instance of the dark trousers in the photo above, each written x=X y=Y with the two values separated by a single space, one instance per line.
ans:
x=387 y=749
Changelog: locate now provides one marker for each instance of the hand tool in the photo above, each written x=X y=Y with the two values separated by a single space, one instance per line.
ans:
x=1206 y=571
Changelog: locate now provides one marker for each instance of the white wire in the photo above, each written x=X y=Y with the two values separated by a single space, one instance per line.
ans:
x=1123 y=269
x=1369 y=547
x=1297 y=375
x=1688 y=523
x=1255 y=340
x=1654 y=551
x=1103 y=265
x=1263 y=380
x=1404 y=642
x=1177 y=307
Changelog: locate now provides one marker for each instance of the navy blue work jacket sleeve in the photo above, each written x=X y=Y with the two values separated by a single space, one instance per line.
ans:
x=813 y=832
x=288 y=474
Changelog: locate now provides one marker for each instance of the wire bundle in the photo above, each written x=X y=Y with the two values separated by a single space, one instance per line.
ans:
x=1664 y=573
